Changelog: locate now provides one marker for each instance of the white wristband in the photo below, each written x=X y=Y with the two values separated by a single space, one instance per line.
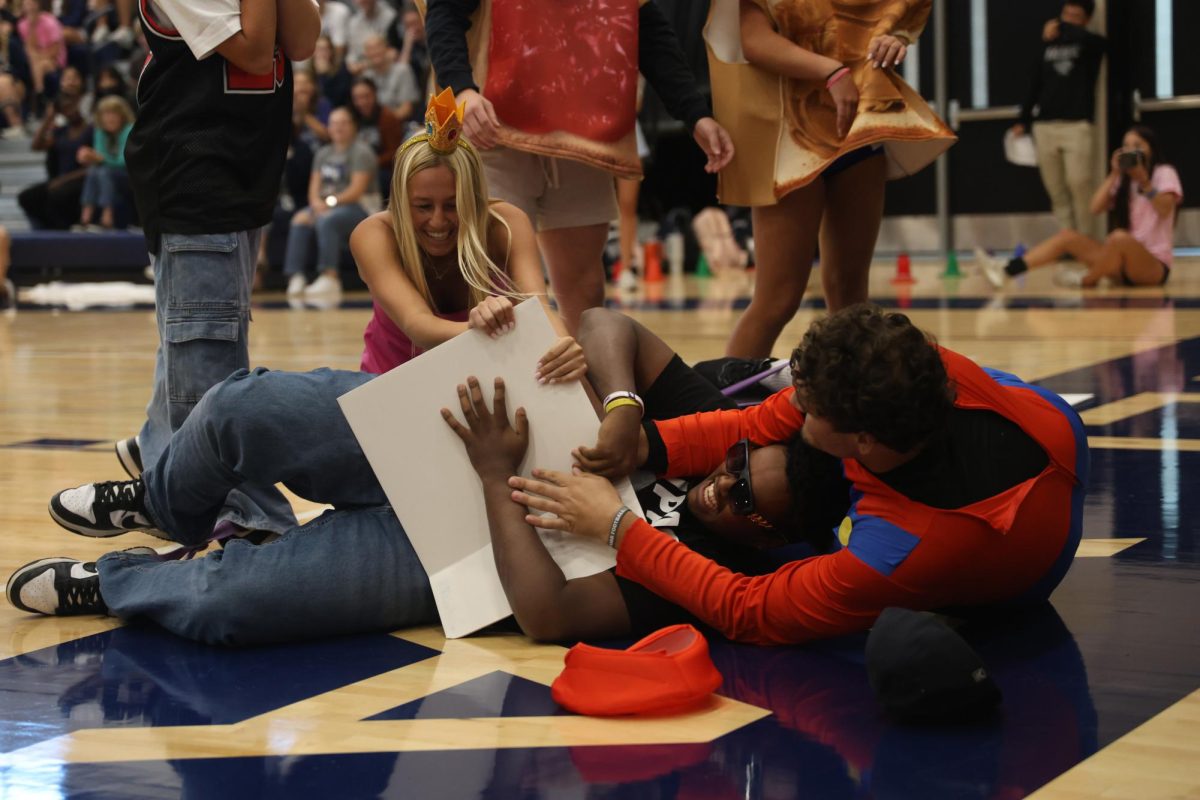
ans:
x=629 y=395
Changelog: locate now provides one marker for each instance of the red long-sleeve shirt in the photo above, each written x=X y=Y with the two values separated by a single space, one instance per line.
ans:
x=897 y=552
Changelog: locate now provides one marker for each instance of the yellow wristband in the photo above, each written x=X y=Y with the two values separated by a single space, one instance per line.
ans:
x=621 y=401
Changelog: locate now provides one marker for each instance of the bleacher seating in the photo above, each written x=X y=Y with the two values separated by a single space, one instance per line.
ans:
x=40 y=255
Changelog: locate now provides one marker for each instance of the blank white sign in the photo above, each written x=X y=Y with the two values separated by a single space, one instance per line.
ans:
x=423 y=466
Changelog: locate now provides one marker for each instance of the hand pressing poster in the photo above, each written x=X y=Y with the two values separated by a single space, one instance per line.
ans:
x=424 y=469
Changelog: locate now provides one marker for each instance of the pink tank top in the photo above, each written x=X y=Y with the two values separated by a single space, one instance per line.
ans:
x=387 y=346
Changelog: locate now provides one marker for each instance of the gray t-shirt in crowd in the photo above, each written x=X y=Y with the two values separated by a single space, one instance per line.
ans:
x=398 y=85
x=336 y=167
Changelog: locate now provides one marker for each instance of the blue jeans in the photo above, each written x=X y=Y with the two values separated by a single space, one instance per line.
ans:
x=100 y=186
x=202 y=299
x=350 y=570
x=331 y=233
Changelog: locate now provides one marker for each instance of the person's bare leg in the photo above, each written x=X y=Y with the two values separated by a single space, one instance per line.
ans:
x=627 y=200
x=10 y=100
x=5 y=254
x=573 y=259
x=37 y=74
x=785 y=237
x=1063 y=243
x=124 y=13
x=1121 y=253
x=849 y=230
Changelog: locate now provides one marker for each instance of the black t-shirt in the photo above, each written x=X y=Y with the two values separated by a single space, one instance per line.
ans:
x=664 y=504
x=1064 y=83
x=206 y=153
x=980 y=455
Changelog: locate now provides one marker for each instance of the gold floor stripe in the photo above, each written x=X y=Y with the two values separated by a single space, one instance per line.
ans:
x=333 y=722
x=259 y=738
x=1158 y=759
x=1134 y=405
x=1104 y=548
x=1142 y=443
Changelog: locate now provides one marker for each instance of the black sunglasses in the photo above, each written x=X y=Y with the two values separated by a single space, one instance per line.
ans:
x=741 y=493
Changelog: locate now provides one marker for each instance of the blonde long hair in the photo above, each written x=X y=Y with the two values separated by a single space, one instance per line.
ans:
x=483 y=276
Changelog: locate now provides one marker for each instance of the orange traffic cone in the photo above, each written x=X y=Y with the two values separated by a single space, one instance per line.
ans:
x=652 y=261
x=903 y=270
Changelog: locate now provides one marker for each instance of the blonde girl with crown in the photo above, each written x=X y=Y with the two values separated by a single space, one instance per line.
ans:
x=443 y=258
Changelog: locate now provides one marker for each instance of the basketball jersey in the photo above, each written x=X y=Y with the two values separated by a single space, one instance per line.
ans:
x=207 y=151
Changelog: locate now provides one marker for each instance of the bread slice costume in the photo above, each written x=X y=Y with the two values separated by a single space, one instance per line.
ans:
x=563 y=77
x=785 y=131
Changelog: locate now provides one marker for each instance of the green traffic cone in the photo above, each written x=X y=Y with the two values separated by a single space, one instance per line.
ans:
x=952 y=270
x=702 y=270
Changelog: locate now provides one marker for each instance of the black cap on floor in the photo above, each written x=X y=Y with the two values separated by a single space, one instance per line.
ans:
x=921 y=671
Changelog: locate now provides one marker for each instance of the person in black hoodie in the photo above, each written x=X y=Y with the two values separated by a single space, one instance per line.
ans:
x=1063 y=93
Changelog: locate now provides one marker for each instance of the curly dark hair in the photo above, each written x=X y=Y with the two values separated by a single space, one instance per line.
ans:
x=820 y=495
x=866 y=370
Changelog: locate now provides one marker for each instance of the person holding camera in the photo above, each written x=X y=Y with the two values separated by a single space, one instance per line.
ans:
x=1142 y=192
x=1064 y=93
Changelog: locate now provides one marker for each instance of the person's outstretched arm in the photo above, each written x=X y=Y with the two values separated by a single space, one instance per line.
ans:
x=546 y=605
x=622 y=355
x=814 y=598
x=446 y=26
x=373 y=244
x=662 y=62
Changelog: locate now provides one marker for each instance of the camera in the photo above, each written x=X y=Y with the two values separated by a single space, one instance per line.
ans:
x=1129 y=159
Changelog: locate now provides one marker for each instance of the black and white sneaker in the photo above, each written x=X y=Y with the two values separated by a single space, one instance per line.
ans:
x=102 y=509
x=130 y=456
x=58 y=587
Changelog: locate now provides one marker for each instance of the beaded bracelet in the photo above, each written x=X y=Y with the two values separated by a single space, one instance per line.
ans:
x=616 y=523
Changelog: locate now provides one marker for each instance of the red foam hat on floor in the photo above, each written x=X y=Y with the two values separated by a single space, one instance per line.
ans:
x=669 y=670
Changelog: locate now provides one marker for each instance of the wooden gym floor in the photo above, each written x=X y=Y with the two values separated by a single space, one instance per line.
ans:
x=1100 y=693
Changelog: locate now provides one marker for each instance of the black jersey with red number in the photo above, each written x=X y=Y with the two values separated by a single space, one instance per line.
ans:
x=206 y=153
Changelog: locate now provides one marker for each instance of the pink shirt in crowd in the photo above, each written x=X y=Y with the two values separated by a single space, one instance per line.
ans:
x=49 y=34
x=1156 y=233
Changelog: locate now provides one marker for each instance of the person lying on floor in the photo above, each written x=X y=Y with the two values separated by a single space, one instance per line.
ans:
x=353 y=569
x=968 y=485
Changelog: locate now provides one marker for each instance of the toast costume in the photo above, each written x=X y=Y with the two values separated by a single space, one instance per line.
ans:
x=785 y=131
x=563 y=77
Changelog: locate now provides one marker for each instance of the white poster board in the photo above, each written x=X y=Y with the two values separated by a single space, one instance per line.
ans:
x=424 y=470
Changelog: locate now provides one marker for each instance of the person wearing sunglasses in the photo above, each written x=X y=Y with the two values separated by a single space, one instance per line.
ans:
x=968 y=485
x=757 y=507
x=353 y=569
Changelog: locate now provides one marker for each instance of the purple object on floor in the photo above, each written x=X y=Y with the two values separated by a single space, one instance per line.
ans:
x=733 y=389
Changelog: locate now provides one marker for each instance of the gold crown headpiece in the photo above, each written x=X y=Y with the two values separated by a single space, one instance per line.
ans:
x=443 y=124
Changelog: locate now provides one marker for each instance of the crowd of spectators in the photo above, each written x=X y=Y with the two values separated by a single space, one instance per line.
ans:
x=370 y=60
x=67 y=68
x=64 y=65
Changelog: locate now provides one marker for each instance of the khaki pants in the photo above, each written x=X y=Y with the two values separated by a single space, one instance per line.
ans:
x=1066 y=154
